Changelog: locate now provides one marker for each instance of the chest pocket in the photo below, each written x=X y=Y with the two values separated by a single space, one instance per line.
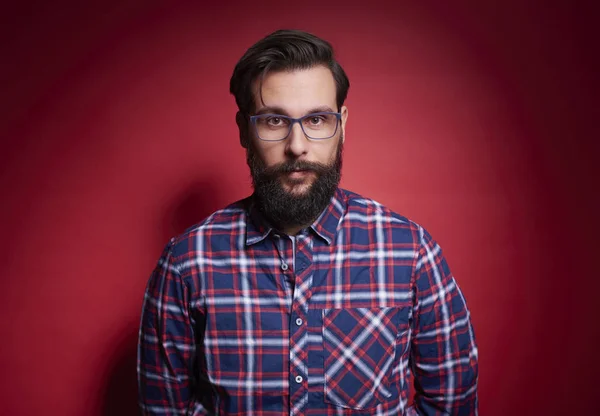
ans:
x=359 y=349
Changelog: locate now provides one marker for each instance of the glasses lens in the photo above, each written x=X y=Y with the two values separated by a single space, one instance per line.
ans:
x=272 y=127
x=320 y=125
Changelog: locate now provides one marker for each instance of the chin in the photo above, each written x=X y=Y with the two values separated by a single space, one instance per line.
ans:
x=298 y=189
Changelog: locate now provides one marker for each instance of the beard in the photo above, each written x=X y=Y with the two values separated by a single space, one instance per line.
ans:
x=284 y=208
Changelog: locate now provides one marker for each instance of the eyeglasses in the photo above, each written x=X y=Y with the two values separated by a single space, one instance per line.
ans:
x=276 y=127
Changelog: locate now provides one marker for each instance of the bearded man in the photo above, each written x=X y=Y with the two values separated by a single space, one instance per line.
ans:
x=304 y=298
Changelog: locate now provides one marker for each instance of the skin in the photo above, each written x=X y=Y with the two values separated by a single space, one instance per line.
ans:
x=295 y=94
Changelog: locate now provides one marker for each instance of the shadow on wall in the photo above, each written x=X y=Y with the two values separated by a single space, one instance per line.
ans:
x=200 y=200
x=121 y=392
x=193 y=206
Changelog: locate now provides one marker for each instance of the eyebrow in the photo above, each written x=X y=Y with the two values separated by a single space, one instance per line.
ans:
x=279 y=110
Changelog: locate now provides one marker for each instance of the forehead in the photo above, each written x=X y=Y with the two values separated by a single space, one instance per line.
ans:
x=297 y=91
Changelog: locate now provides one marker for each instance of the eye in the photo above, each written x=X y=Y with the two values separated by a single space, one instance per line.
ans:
x=276 y=121
x=316 y=120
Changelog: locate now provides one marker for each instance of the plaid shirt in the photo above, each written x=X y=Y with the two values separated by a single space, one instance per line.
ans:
x=239 y=319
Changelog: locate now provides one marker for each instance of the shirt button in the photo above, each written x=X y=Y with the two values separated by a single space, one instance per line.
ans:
x=298 y=321
x=284 y=266
x=298 y=379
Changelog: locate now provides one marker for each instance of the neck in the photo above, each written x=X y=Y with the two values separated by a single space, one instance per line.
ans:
x=293 y=230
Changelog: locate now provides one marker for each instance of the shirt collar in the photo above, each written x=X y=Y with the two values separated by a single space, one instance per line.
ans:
x=325 y=226
x=257 y=226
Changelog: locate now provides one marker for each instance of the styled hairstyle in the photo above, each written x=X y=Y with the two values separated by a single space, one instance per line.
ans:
x=284 y=50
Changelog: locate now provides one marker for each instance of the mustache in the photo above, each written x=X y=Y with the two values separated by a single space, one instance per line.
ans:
x=292 y=166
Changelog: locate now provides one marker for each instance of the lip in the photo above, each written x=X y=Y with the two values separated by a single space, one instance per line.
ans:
x=297 y=174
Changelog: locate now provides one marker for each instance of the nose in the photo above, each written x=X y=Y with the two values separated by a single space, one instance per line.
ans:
x=297 y=142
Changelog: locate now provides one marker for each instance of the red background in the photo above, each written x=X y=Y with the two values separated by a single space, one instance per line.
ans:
x=117 y=131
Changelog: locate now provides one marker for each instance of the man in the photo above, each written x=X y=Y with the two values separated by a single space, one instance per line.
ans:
x=303 y=299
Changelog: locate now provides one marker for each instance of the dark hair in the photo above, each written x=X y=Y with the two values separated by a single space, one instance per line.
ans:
x=284 y=50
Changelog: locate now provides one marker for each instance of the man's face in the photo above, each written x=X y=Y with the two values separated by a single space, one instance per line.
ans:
x=295 y=178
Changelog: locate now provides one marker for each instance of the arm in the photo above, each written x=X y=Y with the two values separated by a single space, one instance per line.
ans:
x=166 y=347
x=444 y=353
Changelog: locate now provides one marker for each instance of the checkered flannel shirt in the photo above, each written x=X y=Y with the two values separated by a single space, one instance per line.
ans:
x=239 y=319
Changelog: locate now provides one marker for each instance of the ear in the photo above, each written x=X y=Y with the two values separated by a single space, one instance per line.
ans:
x=344 y=112
x=242 y=123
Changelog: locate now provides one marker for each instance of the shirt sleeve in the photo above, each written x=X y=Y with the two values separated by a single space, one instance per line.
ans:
x=443 y=351
x=166 y=347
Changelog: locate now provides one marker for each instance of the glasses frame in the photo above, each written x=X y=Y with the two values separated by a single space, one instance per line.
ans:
x=293 y=121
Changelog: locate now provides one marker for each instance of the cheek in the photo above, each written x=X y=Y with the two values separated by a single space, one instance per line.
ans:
x=270 y=153
x=329 y=154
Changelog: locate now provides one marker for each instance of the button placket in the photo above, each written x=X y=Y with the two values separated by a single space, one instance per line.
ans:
x=298 y=370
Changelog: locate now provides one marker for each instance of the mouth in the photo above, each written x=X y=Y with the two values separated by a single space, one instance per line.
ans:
x=298 y=174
